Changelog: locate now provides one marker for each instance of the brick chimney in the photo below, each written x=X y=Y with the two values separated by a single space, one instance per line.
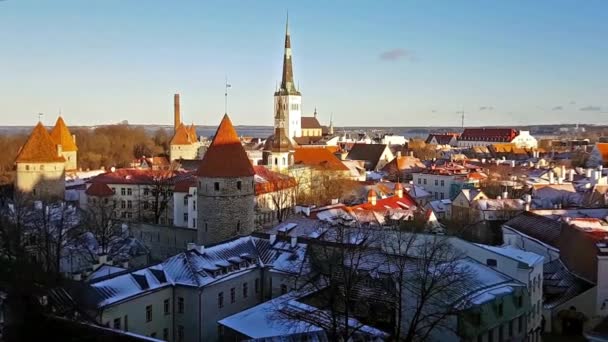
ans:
x=176 y=112
x=399 y=190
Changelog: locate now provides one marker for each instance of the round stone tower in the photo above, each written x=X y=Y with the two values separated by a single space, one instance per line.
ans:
x=225 y=189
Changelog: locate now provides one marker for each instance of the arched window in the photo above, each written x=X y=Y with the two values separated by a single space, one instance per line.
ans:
x=276 y=161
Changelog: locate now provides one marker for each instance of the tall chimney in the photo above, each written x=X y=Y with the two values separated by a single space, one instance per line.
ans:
x=176 y=113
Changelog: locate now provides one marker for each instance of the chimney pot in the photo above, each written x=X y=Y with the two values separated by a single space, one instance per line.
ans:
x=294 y=241
x=191 y=246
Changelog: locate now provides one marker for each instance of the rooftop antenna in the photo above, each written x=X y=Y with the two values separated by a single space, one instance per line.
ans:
x=461 y=118
x=40 y=117
x=226 y=96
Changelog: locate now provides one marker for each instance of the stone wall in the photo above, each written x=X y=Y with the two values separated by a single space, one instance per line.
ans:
x=163 y=241
x=224 y=209
x=41 y=179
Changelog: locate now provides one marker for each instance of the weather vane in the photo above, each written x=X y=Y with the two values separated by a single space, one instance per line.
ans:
x=226 y=96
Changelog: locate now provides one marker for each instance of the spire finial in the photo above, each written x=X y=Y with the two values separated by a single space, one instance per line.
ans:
x=287 y=24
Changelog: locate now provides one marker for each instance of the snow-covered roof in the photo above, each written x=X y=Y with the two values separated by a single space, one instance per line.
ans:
x=104 y=271
x=198 y=268
x=265 y=320
x=509 y=251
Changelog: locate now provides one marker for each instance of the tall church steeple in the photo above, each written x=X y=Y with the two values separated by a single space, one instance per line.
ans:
x=287 y=84
x=287 y=97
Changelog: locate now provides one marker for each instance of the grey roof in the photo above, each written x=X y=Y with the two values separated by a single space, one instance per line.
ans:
x=560 y=285
x=195 y=269
x=544 y=229
x=370 y=153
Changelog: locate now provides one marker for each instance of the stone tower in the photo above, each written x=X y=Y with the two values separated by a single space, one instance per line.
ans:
x=225 y=189
x=40 y=166
x=177 y=119
x=61 y=136
x=287 y=99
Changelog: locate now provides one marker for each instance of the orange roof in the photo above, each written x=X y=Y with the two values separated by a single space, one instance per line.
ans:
x=319 y=157
x=192 y=130
x=39 y=148
x=183 y=136
x=61 y=136
x=383 y=204
x=226 y=156
x=603 y=149
x=270 y=181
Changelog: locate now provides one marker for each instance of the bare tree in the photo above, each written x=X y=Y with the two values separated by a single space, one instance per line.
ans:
x=430 y=278
x=281 y=192
x=342 y=269
x=102 y=222
x=157 y=195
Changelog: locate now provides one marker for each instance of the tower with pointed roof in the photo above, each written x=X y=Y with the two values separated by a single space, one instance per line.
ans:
x=61 y=136
x=287 y=99
x=225 y=189
x=40 y=166
x=184 y=144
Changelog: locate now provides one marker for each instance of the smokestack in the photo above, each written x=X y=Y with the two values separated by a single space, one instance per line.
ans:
x=176 y=112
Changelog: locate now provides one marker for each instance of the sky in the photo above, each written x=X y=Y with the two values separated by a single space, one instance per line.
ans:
x=370 y=63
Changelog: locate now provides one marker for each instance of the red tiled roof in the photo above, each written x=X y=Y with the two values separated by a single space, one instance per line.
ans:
x=185 y=184
x=99 y=189
x=226 y=156
x=393 y=202
x=319 y=157
x=61 y=136
x=138 y=176
x=39 y=148
x=488 y=134
x=270 y=181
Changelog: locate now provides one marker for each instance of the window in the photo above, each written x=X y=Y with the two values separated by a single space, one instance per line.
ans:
x=216 y=186
x=165 y=334
x=436 y=182
x=186 y=217
x=491 y=262
x=129 y=204
x=206 y=227
x=419 y=181
x=238 y=226
x=27 y=167
x=511 y=328
x=146 y=191
x=442 y=182
x=180 y=304
x=193 y=205
x=126 y=323
x=41 y=167
x=500 y=309
x=129 y=215
x=424 y=181
x=123 y=214
x=500 y=333
x=146 y=205
x=185 y=201
x=117 y=323
x=129 y=191
x=220 y=300
x=232 y=295
x=283 y=289
x=149 y=313
x=123 y=204
x=441 y=195
x=519 y=301
x=123 y=191
x=194 y=222
x=114 y=190
x=257 y=285
x=239 y=185
x=166 y=306
x=180 y=333
x=520 y=324
x=245 y=290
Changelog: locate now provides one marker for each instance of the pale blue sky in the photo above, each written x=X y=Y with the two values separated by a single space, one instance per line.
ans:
x=397 y=63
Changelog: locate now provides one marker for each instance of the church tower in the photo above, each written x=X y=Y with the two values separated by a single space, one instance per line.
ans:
x=287 y=99
x=61 y=136
x=225 y=189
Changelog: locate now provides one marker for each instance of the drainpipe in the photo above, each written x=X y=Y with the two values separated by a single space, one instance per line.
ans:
x=200 y=314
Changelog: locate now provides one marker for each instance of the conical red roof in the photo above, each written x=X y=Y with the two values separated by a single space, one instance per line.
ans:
x=225 y=157
x=61 y=136
x=39 y=148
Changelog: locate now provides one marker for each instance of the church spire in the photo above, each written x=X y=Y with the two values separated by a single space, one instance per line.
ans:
x=287 y=83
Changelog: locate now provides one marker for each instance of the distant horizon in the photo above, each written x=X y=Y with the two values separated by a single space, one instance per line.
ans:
x=369 y=63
